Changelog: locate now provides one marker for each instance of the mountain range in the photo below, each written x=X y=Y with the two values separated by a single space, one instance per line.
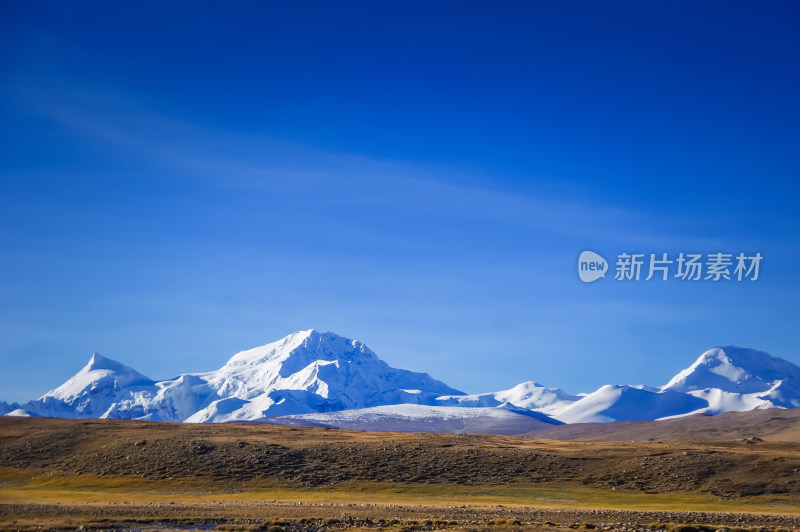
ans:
x=322 y=379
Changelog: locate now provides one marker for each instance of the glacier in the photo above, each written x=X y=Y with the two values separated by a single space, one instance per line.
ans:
x=504 y=420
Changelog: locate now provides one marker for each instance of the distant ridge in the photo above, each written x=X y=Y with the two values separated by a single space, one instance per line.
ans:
x=314 y=376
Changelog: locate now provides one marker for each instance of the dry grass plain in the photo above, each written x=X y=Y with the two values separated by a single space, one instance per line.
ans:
x=112 y=474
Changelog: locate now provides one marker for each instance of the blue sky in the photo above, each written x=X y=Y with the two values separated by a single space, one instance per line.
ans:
x=180 y=181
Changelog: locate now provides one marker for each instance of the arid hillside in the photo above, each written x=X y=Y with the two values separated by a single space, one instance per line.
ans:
x=774 y=425
x=232 y=454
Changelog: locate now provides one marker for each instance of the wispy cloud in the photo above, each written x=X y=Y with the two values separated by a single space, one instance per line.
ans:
x=227 y=159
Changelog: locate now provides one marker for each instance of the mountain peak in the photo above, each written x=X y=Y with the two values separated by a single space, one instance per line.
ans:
x=734 y=369
x=98 y=361
x=100 y=364
x=301 y=350
x=100 y=373
x=283 y=348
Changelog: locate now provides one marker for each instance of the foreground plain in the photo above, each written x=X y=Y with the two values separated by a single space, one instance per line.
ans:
x=58 y=473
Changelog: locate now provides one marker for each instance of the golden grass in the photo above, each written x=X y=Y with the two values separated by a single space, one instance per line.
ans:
x=21 y=486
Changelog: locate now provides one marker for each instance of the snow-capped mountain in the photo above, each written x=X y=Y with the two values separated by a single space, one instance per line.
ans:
x=5 y=408
x=305 y=372
x=626 y=403
x=723 y=379
x=734 y=378
x=308 y=374
x=94 y=390
x=527 y=395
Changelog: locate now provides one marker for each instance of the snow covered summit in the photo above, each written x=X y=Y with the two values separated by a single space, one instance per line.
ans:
x=305 y=372
x=735 y=378
x=736 y=370
x=311 y=372
x=92 y=391
x=722 y=379
x=527 y=395
x=98 y=374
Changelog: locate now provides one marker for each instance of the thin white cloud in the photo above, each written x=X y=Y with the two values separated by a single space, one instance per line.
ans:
x=230 y=159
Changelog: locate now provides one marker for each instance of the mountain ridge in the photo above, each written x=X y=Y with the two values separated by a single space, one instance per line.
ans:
x=311 y=372
x=304 y=372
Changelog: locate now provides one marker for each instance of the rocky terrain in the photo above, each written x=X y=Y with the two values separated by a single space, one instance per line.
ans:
x=275 y=516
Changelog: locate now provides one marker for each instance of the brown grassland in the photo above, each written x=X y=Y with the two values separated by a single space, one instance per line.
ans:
x=112 y=474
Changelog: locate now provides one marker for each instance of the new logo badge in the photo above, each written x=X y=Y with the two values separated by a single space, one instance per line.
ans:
x=591 y=266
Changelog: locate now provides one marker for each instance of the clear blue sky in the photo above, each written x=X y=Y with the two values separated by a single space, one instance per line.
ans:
x=183 y=180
